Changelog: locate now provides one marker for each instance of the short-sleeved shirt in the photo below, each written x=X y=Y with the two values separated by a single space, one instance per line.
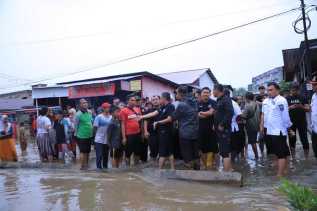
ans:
x=297 y=114
x=206 y=123
x=164 y=112
x=114 y=134
x=84 y=128
x=186 y=113
x=224 y=112
x=42 y=123
x=129 y=119
x=102 y=123
x=276 y=116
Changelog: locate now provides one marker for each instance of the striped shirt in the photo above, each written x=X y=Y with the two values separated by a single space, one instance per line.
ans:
x=276 y=116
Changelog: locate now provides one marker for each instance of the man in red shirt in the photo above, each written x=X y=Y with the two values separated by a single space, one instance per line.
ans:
x=131 y=130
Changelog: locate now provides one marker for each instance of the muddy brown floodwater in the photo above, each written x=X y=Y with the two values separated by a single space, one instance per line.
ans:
x=70 y=189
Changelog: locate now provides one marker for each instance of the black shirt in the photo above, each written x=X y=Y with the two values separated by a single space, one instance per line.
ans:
x=260 y=98
x=114 y=134
x=224 y=112
x=60 y=132
x=297 y=114
x=164 y=112
x=206 y=123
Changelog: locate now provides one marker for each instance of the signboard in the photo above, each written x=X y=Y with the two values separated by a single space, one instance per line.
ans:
x=125 y=85
x=135 y=85
x=91 y=90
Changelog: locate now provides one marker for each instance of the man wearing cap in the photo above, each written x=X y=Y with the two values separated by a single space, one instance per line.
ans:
x=298 y=106
x=101 y=123
x=314 y=115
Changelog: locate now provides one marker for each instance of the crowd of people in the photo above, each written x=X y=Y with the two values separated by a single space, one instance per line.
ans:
x=200 y=128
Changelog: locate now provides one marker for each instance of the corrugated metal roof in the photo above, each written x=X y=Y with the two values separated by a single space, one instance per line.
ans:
x=184 y=77
x=13 y=104
x=99 y=81
x=49 y=92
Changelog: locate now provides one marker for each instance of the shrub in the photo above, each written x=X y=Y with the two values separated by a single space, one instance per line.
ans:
x=300 y=197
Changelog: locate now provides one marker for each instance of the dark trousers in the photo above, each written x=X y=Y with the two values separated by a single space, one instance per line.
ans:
x=176 y=145
x=154 y=145
x=144 y=150
x=102 y=153
x=302 y=130
x=266 y=140
x=314 y=143
x=189 y=149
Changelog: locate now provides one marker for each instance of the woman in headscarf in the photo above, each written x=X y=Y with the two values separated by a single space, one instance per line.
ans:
x=45 y=147
x=7 y=143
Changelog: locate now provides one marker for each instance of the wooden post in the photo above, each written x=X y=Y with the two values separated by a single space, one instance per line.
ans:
x=60 y=102
x=36 y=107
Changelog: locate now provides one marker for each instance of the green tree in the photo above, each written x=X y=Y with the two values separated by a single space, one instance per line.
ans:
x=285 y=86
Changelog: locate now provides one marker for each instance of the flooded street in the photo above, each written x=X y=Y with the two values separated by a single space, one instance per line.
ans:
x=70 y=189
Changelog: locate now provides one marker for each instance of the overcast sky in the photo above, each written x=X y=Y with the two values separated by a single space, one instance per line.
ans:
x=52 y=39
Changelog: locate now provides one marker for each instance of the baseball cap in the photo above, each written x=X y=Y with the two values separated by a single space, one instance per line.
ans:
x=105 y=105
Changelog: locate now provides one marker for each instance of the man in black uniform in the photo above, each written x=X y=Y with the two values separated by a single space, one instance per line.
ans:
x=164 y=127
x=223 y=117
x=298 y=106
x=186 y=113
x=263 y=138
x=208 y=145
x=149 y=131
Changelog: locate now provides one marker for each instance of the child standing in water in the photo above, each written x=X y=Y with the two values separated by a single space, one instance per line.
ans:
x=115 y=137
x=22 y=139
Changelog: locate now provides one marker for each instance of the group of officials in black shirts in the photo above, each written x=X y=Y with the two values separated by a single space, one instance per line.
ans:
x=197 y=128
x=203 y=127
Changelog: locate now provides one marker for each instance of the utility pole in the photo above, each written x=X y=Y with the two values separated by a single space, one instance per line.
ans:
x=307 y=60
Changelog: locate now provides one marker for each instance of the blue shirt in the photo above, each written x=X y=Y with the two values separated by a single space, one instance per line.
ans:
x=101 y=123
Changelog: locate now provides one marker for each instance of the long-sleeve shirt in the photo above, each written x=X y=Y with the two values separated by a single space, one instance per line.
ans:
x=314 y=113
x=276 y=116
x=224 y=112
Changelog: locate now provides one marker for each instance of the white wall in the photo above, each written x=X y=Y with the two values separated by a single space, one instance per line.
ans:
x=152 y=87
x=205 y=81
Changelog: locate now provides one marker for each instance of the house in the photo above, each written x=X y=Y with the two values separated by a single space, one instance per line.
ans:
x=99 y=90
x=16 y=101
x=198 y=78
x=294 y=64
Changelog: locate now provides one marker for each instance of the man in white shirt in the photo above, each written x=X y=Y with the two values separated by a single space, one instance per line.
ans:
x=314 y=115
x=277 y=122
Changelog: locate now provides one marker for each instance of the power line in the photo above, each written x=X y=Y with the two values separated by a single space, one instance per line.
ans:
x=10 y=77
x=170 y=46
x=35 y=42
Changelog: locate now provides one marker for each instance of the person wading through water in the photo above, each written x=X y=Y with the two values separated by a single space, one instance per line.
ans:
x=186 y=113
x=84 y=132
x=223 y=118
x=131 y=130
x=275 y=118
x=208 y=145
x=164 y=127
